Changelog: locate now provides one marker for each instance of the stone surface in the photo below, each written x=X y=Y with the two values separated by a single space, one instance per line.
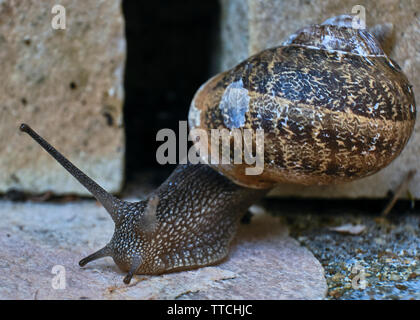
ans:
x=253 y=25
x=35 y=237
x=66 y=84
x=234 y=33
x=381 y=263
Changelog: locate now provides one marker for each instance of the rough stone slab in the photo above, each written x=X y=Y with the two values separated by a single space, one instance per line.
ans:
x=234 y=33
x=36 y=236
x=68 y=85
x=261 y=24
x=268 y=264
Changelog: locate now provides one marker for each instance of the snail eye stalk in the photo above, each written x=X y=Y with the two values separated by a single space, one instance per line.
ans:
x=106 y=199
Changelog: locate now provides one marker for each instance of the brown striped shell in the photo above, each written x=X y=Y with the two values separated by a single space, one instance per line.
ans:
x=333 y=107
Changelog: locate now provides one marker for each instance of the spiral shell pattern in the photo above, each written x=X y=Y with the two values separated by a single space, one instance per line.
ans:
x=333 y=107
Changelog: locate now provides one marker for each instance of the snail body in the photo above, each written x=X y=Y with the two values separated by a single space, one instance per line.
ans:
x=333 y=108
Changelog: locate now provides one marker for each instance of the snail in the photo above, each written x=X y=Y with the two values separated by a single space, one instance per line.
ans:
x=333 y=107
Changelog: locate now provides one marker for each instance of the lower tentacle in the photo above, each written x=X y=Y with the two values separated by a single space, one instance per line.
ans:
x=104 y=252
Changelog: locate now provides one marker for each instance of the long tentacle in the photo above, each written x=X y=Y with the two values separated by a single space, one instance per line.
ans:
x=107 y=199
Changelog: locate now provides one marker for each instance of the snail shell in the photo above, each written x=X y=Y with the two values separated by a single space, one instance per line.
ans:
x=333 y=107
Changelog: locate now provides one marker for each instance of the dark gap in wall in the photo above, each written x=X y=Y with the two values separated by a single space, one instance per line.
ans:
x=338 y=206
x=170 y=46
